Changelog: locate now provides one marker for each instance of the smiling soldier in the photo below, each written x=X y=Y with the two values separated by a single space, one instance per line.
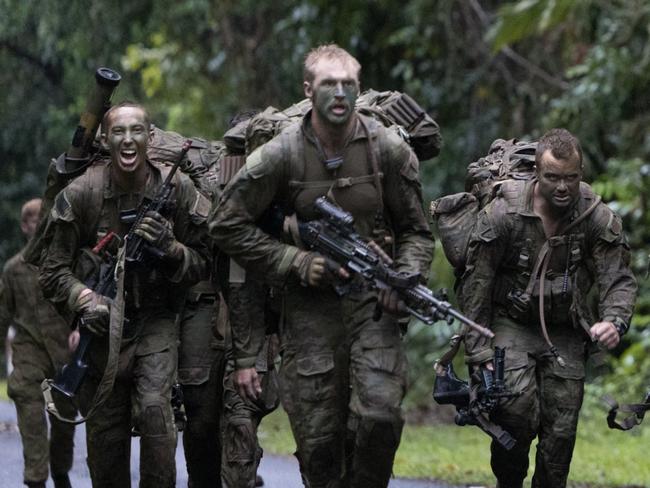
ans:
x=98 y=202
x=536 y=252
x=343 y=374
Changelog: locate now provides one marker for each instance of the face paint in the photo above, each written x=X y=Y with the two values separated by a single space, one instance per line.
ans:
x=334 y=91
x=127 y=138
x=559 y=181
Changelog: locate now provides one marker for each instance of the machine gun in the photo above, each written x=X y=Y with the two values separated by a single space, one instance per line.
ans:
x=71 y=376
x=334 y=236
x=448 y=389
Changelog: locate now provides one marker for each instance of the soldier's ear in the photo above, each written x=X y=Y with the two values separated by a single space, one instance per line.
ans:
x=309 y=90
x=103 y=141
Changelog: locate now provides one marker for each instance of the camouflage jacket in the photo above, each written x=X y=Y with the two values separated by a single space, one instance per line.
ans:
x=22 y=304
x=90 y=207
x=504 y=249
x=288 y=170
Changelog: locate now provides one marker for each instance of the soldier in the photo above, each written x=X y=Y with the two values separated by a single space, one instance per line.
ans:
x=343 y=374
x=536 y=251
x=100 y=201
x=40 y=348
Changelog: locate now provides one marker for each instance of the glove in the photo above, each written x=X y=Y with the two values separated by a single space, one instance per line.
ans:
x=94 y=310
x=158 y=232
x=315 y=270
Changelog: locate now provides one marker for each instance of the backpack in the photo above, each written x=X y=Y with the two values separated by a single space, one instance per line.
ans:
x=392 y=109
x=455 y=215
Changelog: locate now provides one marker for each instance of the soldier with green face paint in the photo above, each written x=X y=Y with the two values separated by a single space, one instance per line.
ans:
x=536 y=252
x=39 y=349
x=91 y=206
x=343 y=374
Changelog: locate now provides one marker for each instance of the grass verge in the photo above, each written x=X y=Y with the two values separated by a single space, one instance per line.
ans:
x=3 y=390
x=602 y=457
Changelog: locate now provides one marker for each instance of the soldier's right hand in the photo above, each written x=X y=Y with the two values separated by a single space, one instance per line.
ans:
x=94 y=310
x=248 y=384
x=316 y=270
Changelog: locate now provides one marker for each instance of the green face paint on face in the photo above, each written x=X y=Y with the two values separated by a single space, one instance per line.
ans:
x=127 y=138
x=334 y=100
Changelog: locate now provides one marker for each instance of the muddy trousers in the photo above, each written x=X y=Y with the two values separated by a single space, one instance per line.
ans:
x=241 y=450
x=343 y=378
x=202 y=436
x=141 y=399
x=32 y=366
x=548 y=408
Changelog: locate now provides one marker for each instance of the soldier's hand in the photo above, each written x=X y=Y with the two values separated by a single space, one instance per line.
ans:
x=316 y=270
x=606 y=334
x=73 y=340
x=390 y=302
x=94 y=310
x=248 y=384
x=158 y=232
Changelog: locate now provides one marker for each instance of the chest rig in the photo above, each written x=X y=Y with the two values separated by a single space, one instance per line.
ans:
x=356 y=185
x=106 y=212
x=540 y=282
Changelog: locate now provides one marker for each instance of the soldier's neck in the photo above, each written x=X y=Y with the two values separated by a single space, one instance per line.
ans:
x=131 y=182
x=332 y=137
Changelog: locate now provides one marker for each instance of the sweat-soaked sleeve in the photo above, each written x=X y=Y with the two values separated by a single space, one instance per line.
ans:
x=414 y=242
x=232 y=220
x=56 y=276
x=617 y=287
x=191 y=230
x=484 y=255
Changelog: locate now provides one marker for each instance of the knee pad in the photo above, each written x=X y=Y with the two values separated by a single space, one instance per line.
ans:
x=152 y=421
x=384 y=433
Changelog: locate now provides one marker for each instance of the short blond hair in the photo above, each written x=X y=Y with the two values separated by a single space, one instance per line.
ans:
x=30 y=209
x=328 y=51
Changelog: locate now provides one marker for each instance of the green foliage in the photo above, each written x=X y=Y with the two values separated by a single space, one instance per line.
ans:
x=603 y=458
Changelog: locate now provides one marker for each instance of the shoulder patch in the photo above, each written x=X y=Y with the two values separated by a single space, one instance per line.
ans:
x=62 y=210
x=200 y=209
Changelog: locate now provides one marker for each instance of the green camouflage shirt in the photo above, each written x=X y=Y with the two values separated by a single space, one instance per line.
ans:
x=274 y=173
x=22 y=304
x=89 y=208
x=504 y=248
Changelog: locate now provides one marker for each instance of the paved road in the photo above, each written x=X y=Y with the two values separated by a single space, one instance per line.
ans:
x=278 y=471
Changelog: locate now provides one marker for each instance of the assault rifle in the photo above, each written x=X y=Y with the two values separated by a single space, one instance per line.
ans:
x=72 y=374
x=448 y=389
x=334 y=236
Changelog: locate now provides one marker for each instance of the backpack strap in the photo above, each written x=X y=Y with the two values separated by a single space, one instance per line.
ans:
x=637 y=410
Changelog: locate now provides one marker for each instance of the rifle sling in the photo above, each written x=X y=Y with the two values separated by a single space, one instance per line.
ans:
x=116 y=325
x=637 y=410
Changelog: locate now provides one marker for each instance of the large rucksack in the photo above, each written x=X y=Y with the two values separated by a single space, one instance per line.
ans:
x=392 y=109
x=455 y=215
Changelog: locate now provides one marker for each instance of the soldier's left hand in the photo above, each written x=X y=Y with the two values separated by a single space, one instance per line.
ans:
x=390 y=302
x=606 y=334
x=158 y=232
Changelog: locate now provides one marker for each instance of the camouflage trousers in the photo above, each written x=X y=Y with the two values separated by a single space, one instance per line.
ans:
x=32 y=365
x=549 y=405
x=241 y=450
x=342 y=380
x=200 y=371
x=141 y=399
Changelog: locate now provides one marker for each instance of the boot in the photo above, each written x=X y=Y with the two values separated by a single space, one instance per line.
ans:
x=35 y=484
x=258 y=480
x=61 y=481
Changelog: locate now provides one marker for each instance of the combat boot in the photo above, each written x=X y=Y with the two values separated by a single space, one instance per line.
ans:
x=258 y=480
x=61 y=481
x=35 y=484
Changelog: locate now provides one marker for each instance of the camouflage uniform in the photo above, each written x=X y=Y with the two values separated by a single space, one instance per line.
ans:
x=39 y=349
x=503 y=251
x=343 y=375
x=201 y=353
x=251 y=344
x=85 y=211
